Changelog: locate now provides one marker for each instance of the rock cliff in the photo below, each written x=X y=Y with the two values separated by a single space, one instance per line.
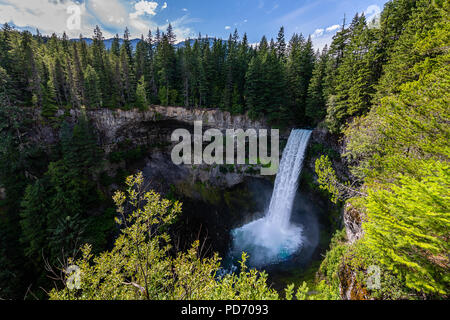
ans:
x=114 y=126
x=151 y=130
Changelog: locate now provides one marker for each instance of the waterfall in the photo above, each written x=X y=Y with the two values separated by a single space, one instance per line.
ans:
x=286 y=184
x=273 y=238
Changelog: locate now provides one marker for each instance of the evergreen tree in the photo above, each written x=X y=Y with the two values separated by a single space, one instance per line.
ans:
x=356 y=76
x=171 y=35
x=92 y=88
x=300 y=67
x=115 y=46
x=78 y=77
x=98 y=63
x=141 y=58
x=316 y=102
x=30 y=72
x=141 y=94
x=166 y=66
x=281 y=45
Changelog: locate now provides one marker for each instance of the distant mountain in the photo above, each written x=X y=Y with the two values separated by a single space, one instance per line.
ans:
x=108 y=42
x=134 y=42
x=192 y=41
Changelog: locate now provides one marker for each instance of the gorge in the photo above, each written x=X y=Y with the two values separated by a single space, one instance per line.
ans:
x=217 y=200
x=273 y=238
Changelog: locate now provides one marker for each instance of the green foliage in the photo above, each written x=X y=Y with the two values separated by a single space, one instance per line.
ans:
x=332 y=262
x=400 y=150
x=317 y=149
x=141 y=94
x=16 y=154
x=301 y=293
x=327 y=178
x=163 y=96
x=265 y=87
x=92 y=87
x=55 y=211
x=316 y=102
x=139 y=265
x=128 y=155
x=356 y=72
x=300 y=68
x=407 y=235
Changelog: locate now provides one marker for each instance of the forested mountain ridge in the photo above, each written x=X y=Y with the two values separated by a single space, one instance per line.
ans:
x=134 y=42
x=231 y=75
x=382 y=90
x=398 y=156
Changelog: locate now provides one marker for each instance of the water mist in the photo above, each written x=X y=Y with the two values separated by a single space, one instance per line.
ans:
x=273 y=238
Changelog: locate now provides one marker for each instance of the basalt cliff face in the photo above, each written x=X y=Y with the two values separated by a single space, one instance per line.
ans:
x=151 y=130
x=144 y=127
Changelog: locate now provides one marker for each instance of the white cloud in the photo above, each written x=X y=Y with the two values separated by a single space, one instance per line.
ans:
x=184 y=9
x=111 y=15
x=105 y=13
x=181 y=29
x=373 y=16
x=47 y=16
x=164 y=6
x=372 y=12
x=324 y=36
x=318 y=33
x=227 y=27
x=333 y=28
x=144 y=7
x=319 y=43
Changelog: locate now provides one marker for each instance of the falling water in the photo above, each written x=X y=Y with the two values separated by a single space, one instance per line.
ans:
x=273 y=238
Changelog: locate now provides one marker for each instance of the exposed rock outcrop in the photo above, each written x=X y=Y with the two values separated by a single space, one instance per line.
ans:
x=350 y=287
x=353 y=223
x=114 y=126
x=152 y=130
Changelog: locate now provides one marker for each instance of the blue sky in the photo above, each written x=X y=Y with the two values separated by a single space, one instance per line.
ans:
x=319 y=18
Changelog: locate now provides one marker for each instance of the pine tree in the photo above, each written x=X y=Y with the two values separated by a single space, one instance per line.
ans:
x=150 y=73
x=355 y=76
x=127 y=75
x=281 y=45
x=92 y=87
x=115 y=46
x=316 y=102
x=78 y=77
x=141 y=58
x=253 y=83
x=158 y=36
x=141 y=94
x=35 y=207
x=166 y=66
x=84 y=53
x=30 y=72
x=127 y=46
x=300 y=67
x=5 y=49
x=98 y=63
x=171 y=35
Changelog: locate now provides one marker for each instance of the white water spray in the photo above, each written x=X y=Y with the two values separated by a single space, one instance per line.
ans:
x=273 y=238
